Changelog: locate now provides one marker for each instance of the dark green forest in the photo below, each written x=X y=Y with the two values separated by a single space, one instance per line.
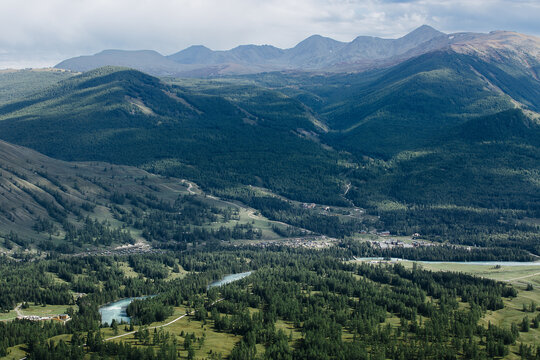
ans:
x=341 y=309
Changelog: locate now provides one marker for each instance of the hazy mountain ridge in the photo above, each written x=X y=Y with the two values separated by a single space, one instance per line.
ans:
x=316 y=54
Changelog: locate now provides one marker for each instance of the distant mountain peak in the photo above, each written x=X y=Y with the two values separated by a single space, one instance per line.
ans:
x=113 y=52
x=426 y=29
x=422 y=34
x=318 y=53
x=316 y=40
x=198 y=47
x=192 y=54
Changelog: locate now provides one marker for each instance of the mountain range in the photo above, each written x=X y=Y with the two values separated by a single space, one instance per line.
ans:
x=314 y=54
x=445 y=142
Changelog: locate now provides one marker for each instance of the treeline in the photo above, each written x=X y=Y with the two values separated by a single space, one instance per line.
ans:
x=35 y=281
x=436 y=252
x=94 y=232
x=23 y=331
x=78 y=348
x=187 y=220
x=463 y=226
x=457 y=253
x=29 y=282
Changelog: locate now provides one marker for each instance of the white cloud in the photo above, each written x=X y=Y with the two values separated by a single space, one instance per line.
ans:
x=50 y=30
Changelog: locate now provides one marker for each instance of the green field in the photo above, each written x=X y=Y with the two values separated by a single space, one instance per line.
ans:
x=214 y=342
x=518 y=276
x=8 y=316
x=48 y=310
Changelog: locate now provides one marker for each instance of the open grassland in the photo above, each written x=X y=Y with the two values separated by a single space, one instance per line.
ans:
x=128 y=270
x=8 y=316
x=513 y=313
x=208 y=340
x=519 y=277
x=288 y=328
x=48 y=310
x=16 y=353
x=37 y=310
x=513 y=274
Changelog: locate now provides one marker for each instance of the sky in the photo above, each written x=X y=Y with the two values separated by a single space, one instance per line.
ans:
x=41 y=33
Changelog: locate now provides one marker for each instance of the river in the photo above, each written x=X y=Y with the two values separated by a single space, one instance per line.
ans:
x=117 y=310
x=229 y=279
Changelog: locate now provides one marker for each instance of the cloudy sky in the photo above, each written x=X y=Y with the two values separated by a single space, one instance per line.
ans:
x=37 y=33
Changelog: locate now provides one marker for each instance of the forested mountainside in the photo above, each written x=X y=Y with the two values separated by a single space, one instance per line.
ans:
x=441 y=136
x=124 y=116
x=16 y=84
x=409 y=105
x=52 y=206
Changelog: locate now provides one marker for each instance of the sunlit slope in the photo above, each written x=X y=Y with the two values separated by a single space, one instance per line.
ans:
x=416 y=101
x=16 y=84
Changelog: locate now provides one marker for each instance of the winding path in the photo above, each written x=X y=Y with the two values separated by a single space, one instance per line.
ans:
x=18 y=309
x=347 y=189
x=522 y=277
x=158 y=326
x=190 y=186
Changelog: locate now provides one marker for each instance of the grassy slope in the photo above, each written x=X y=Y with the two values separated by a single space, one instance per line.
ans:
x=86 y=188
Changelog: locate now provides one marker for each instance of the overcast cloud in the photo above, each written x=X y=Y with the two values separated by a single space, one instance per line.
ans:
x=35 y=33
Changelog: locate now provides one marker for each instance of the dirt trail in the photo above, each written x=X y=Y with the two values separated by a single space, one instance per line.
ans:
x=18 y=310
x=184 y=182
x=158 y=326
x=523 y=277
